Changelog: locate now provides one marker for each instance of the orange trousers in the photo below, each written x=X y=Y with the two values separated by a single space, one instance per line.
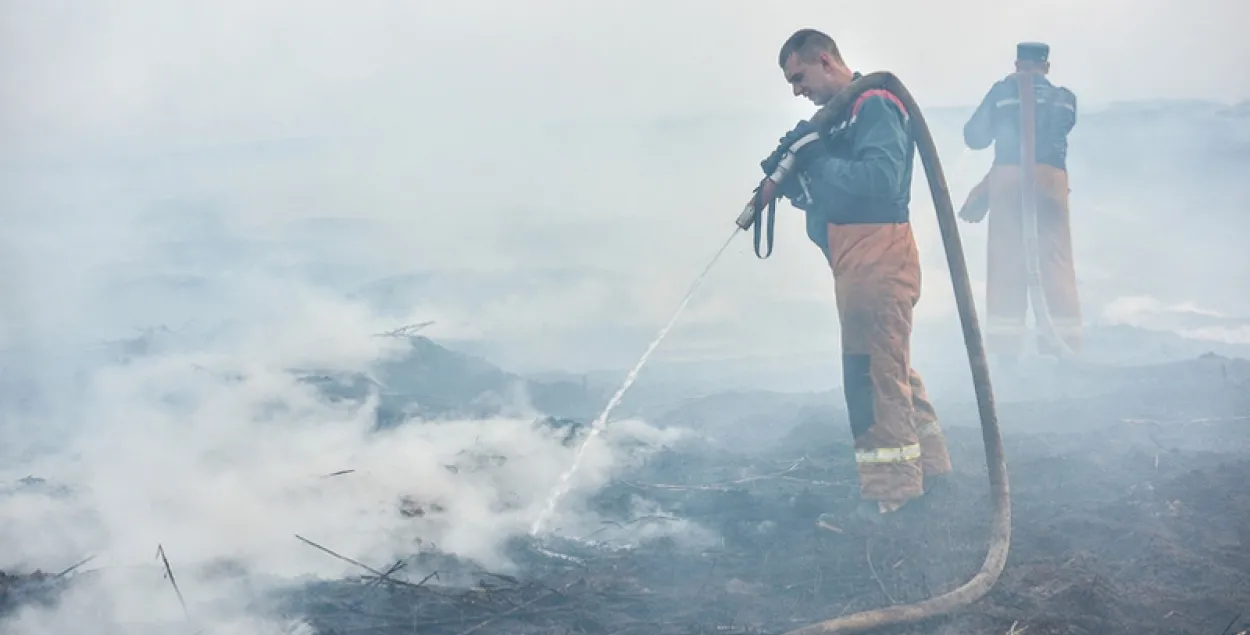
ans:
x=898 y=441
x=1007 y=285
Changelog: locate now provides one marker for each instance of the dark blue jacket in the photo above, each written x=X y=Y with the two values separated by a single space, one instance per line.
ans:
x=865 y=177
x=997 y=121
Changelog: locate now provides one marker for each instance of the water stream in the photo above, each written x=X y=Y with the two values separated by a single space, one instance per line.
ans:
x=562 y=486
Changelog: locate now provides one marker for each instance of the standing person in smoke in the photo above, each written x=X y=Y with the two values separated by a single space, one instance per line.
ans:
x=997 y=121
x=855 y=192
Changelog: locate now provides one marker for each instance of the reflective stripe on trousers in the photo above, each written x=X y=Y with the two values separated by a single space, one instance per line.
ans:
x=905 y=454
x=997 y=325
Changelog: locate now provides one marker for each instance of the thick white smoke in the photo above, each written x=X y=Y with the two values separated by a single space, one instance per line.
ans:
x=220 y=455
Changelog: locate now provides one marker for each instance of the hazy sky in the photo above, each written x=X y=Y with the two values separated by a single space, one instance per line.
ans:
x=478 y=129
x=159 y=72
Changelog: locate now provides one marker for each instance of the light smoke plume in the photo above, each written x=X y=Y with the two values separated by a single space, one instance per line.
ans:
x=215 y=451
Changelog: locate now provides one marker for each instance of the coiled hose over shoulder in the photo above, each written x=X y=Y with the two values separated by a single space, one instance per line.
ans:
x=1000 y=529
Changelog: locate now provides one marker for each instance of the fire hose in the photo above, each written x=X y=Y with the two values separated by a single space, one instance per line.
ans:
x=1028 y=215
x=1000 y=526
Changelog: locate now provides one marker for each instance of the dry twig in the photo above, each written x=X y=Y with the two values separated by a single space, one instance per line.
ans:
x=873 y=570
x=381 y=576
x=169 y=573
x=73 y=567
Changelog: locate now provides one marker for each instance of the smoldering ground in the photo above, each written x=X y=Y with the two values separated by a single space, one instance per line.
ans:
x=182 y=438
x=219 y=452
x=1142 y=535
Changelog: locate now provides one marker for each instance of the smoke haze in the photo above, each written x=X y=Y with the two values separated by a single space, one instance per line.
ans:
x=255 y=190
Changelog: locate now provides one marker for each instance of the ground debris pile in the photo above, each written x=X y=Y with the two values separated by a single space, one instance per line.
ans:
x=18 y=590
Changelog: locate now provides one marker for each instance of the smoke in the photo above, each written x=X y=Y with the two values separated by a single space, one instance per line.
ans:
x=216 y=451
x=260 y=188
x=565 y=231
x=1184 y=318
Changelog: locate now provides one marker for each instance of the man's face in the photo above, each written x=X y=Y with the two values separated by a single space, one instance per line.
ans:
x=815 y=79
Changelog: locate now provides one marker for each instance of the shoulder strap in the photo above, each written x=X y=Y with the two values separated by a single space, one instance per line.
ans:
x=881 y=92
x=878 y=92
x=760 y=210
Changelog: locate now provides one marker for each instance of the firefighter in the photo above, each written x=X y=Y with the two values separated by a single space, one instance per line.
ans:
x=1000 y=195
x=855 y=192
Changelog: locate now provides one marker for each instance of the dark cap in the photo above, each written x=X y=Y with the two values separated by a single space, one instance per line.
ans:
x=1032 y=52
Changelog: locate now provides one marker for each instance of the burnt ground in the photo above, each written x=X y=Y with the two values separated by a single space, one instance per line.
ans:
x=1131 y=514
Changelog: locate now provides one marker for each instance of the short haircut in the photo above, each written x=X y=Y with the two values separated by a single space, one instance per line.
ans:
x=808 y=44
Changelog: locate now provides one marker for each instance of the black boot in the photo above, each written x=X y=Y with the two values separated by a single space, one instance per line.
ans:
x=867 y=517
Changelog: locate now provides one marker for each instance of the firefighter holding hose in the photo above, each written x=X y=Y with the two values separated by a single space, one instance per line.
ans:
x=855 y=191
x=1000 y=120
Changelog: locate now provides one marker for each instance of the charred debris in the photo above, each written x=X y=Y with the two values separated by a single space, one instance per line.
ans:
x=1130 y=499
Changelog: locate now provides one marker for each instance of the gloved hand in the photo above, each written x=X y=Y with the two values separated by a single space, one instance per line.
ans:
x=792 y=190
x=977 y=205
x=800 y=130
x=789 y=188
x=804 y=156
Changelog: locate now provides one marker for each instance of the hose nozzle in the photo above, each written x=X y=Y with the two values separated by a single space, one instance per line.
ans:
x=764 y=194
x=747 y=218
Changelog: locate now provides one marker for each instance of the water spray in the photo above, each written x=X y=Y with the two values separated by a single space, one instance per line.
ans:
x=600 y=422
